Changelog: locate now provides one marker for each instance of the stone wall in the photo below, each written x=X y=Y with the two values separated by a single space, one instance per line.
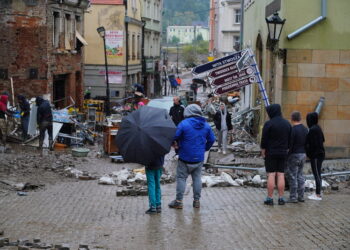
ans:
x=310 y=74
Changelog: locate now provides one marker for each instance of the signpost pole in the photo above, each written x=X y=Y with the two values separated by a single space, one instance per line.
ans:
x=260 y=81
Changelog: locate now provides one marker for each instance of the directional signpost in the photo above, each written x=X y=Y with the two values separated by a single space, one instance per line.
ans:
x=233 y=72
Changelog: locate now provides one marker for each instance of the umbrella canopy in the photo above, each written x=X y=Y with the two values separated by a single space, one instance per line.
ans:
x=199 y=81
x=145 y=135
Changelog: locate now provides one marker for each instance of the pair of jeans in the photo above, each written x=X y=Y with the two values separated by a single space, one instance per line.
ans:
x=3 y=131
x=25 y=124
x=222 y=139
x=182 y=172
x=153 y=185
x=43 y=126
x=316 y=166
x=295 y=166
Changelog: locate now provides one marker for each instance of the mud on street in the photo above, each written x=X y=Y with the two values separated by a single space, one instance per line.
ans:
x=61 y=209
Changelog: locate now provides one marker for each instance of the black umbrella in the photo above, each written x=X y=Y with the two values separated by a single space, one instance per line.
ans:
x=199 y=81
x=145 y=135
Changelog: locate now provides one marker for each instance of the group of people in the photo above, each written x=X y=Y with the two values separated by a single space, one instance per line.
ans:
x=44 y=118
x=284 y=147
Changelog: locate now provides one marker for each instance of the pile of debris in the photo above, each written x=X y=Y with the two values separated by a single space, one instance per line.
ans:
x=132 y=182
x=229 y=179
x=24 y=244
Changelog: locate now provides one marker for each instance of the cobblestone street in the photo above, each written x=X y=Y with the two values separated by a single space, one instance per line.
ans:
x=229 y=218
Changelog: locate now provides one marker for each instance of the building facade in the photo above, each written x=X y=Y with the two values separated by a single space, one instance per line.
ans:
x=152 y=17
x=41 y=49
x=224 y=23
x=186 y=34
x=123 y=26
x=311 y=60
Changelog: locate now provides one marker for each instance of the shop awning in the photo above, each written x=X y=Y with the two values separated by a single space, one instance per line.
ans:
x=80 y=38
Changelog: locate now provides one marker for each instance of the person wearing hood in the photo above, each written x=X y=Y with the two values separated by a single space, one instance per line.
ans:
x=177 y=111
x=3 y=122
x=44 y=120
x=274 y=148
x=193 y=137
x=223 y=124
x=25 y=112
x=315 y=151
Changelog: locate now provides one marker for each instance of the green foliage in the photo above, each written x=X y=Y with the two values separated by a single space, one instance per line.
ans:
x=185 y=12
x=175 y=40
x=200 y=37
x=191 y=52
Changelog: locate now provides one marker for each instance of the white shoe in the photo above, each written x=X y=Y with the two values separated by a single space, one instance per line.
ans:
x=223 y=152
x=219 y=150
x=314 y=197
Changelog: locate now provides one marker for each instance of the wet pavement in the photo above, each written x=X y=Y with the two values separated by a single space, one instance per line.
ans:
x=229 y=218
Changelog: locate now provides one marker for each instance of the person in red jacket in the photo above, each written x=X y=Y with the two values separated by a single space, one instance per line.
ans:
x=3 y=122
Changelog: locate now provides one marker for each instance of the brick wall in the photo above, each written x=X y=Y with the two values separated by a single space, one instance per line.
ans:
x=26 y=41
x=310 y=74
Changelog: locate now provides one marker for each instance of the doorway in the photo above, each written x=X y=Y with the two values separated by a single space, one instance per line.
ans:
x=59 y=91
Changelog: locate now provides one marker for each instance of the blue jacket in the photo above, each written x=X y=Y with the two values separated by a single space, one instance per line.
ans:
x=194 y=136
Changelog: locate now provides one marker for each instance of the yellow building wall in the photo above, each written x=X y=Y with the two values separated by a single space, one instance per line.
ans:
x=112 y=18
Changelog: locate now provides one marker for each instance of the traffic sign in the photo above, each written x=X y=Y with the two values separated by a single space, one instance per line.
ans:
x=224 y=80
x=244 y=60
x=217 y=63
x=230 y=68
x=234 y=85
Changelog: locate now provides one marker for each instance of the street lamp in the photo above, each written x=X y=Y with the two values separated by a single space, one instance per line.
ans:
x=274 y=26
x=102 y=32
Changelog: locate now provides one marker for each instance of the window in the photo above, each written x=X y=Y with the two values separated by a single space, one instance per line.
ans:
x=68 y=32
x=33 y=73
x=236 y=42
x=138 y=47
x=56 y=29
x=237 y=16
x=3 y=74
x=133 y=47
x=115 y=93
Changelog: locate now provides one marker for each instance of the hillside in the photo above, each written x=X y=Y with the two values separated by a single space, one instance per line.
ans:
x=185 y=12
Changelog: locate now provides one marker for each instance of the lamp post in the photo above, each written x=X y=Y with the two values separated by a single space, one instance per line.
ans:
x=274 y=26
x=102 y=32
x=177 y=59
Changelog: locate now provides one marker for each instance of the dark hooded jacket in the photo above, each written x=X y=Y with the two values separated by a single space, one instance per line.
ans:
x=194 y=135
x=177 y=113
x=44 y=110
x=24 y=105
x=276 y=133
x=315 y=138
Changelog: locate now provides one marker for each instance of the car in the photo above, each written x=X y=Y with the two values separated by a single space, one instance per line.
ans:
x=163 y=103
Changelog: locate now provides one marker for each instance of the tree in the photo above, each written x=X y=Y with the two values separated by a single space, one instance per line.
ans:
x=200 y=37
x=175 y=40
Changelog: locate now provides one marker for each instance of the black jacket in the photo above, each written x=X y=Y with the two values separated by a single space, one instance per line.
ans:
x=315 y=138
x=177 y=113
x=44 y=110
x=217 y=120
x=24 y=105
x=298 y=138
x=156 y=164
x=276 y=133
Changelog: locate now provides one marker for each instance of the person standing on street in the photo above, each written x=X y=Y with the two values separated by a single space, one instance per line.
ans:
x=3 y=119
x=193 y=137
x=315 y=151
x=194 y=88
x=223 y=124
x=44 y=119
x=153 y=174
x=274 y=148
x=25 y=112
x=296 y=159
x=177 y=111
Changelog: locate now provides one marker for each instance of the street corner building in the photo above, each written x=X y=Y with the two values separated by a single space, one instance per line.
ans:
x=41 y=48
x=307 y=65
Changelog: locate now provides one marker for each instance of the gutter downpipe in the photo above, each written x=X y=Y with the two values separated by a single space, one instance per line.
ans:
x=312 y=23
x=241 y=25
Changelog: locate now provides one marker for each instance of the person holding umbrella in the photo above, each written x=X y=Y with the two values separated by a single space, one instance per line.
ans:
x=193 y=137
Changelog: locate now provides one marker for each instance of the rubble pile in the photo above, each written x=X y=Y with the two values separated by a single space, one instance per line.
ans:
x=24 y=244
x=228 y=179
x=132 y=182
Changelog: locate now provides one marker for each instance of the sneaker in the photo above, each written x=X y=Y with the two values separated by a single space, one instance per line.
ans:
x=219 y=150
x=151 y=210
x=223 y=152
x=268 y=201
x=281 y=201
x=292 y=201
x=301 y=199
x=159 y=209
x=175 y=204
x=314 y=197
x=196 y=204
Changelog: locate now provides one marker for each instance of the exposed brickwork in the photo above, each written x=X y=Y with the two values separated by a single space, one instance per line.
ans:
x=26 y=42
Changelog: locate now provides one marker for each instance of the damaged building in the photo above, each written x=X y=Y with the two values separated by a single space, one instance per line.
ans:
x=41 y=49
